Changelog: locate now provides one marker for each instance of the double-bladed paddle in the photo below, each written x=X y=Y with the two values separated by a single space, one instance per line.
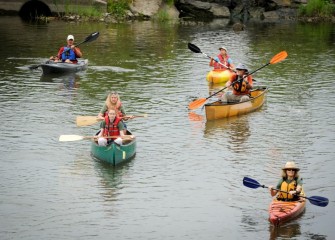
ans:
x=315 y=200
x=89 y=38
x=195 y=49
x=199 y=102
x=90 y=120
x=71 y=138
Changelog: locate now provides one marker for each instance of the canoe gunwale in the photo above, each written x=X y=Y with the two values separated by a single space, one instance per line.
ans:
x=114 y=154
x=263 y=90
x=219 y=110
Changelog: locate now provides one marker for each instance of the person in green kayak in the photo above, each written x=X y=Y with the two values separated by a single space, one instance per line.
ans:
x=111 y=129
x=68 y=53
x=290 y=183
x=241 y=83
x=113 y=102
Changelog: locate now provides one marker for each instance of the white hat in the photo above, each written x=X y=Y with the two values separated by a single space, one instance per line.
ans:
x=70 y=37
x=290 y=165
x=223 y=48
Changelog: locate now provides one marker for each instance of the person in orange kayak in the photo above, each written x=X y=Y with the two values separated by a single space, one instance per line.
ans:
x=68 y=53
x=290 y=182
x=224 y=59
x=111 y=127
x=241 y=83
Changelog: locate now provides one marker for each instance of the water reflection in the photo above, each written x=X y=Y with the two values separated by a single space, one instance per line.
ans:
x=111 y=178
x=69 y=81
x=212 y=88
x=235 y=130
x=194 y=117
x=286 y=231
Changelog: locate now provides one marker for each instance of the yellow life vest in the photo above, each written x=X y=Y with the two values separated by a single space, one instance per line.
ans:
x=287 y=187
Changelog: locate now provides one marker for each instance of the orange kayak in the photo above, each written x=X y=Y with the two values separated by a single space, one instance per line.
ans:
x=280 y=211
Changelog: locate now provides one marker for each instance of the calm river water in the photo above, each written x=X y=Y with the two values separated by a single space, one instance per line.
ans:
x=186 y=179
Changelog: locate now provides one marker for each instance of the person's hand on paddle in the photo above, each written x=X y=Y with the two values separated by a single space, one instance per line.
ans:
x=293 y=192
x=126 y=118
x=54 y=58
x=100 y=116
x=273 y=191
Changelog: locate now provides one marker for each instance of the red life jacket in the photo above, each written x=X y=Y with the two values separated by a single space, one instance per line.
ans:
x=111 y=129
x=218 y=65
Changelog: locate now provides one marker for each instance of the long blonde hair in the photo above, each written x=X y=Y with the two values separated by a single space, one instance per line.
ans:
x=110 y=104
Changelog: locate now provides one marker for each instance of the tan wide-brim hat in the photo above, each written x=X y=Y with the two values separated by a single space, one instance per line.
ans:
x=290 y=165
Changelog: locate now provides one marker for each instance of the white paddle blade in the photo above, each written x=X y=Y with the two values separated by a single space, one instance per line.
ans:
x=69 y=138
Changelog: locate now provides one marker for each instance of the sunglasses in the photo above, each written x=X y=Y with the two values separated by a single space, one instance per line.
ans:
x=291 y=170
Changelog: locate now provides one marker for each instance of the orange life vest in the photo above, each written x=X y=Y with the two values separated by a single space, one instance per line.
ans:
x=111 y=128
x=240 y=87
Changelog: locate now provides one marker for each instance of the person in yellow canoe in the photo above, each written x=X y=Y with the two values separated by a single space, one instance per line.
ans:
x=223 y=58
x=241 y=83
x=113 y=101
x=289 y=182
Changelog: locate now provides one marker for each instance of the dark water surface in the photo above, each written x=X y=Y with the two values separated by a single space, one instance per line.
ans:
x=186 y=179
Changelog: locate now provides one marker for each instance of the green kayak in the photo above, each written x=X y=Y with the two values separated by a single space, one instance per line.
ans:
x=114 y=154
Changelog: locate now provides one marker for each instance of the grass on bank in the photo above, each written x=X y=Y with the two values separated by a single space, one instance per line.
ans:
x=318 y=8
x=90 y=11
x=118 y=8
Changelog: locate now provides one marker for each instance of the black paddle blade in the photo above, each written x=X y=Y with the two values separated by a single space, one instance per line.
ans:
x=251 y=183
x=34 y=67
x=318 y=201
x=92 y=37
x=194 y=48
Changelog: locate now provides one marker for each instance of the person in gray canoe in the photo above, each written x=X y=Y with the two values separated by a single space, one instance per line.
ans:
x=68 y=53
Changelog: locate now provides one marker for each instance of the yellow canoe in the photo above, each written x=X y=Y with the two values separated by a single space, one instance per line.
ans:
x=217 y=110
x=219 y=76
